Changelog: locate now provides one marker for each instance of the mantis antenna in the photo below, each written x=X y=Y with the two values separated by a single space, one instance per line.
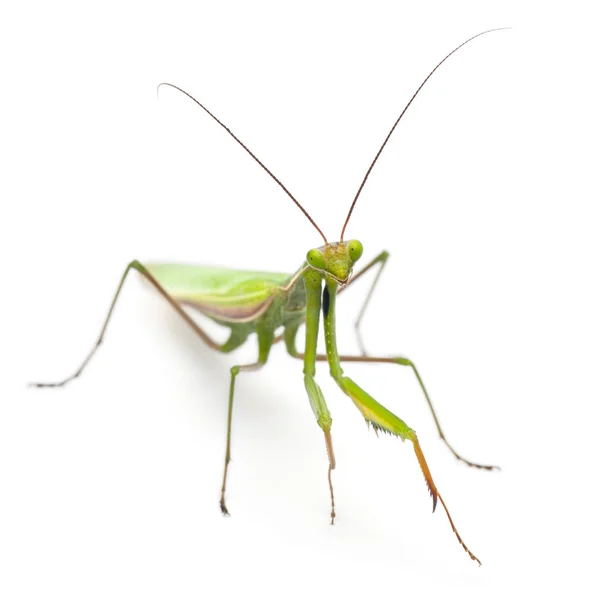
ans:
x=249 y=152
x=400 y=117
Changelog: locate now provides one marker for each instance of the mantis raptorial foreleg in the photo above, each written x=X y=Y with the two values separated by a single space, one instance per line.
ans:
x=382 y=419
x=373 y=412
x=381 y=260
x=312 y=282
x=406 y=362
x=321 y=412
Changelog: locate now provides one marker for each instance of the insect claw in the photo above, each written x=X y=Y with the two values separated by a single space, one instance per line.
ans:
x=468 y=462
x=224 y=509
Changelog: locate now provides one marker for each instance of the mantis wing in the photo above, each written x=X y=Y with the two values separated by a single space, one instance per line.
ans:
x=226 y=295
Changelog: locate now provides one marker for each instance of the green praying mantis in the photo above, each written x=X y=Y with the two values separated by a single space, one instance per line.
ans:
x=264 y=303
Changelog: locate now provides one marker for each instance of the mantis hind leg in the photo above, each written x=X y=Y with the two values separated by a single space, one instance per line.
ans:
x=139 y=267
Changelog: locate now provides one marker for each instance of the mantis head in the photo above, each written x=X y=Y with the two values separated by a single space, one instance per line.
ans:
x=335 y=260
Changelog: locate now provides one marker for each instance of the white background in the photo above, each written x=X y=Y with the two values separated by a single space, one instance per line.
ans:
x=486 y=197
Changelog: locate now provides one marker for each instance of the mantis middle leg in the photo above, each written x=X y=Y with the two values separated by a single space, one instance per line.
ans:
x=235 y=371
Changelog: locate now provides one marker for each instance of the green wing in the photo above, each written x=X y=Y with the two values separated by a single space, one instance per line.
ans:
x=223 y=294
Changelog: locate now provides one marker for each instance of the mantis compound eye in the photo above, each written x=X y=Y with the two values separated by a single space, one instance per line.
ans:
x=315 y=259
x=355 y=250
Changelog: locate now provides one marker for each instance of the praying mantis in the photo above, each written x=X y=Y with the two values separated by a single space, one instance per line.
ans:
x=264 y=303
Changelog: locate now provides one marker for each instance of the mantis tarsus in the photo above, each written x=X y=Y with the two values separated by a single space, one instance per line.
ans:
x=262 y=302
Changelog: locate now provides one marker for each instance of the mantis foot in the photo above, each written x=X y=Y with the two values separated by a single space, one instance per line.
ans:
x=224 y=508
